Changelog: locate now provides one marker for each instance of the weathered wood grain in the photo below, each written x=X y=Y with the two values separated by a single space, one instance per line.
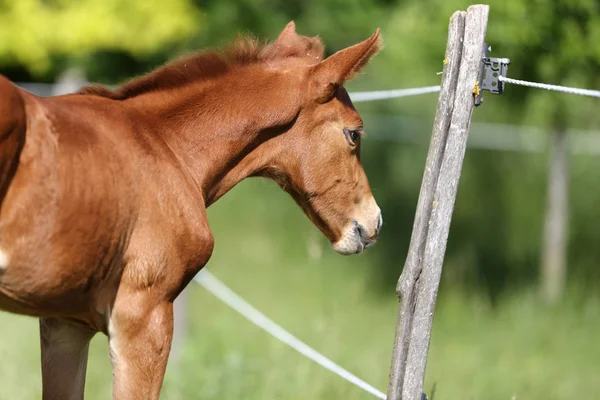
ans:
x=419 y=282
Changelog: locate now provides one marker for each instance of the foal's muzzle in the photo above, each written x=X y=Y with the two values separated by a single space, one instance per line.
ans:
x=359 y=235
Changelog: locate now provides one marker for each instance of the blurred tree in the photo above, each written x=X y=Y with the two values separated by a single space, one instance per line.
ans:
x=113 y=40
x=553 y=41
x=340 y=22
x=34 y=32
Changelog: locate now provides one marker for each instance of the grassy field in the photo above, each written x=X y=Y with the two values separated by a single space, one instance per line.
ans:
x=269 y=253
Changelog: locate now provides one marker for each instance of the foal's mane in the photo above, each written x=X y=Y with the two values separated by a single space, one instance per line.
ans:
x=208 y=64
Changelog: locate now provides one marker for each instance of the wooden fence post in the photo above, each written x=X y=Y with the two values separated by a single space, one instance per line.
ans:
x=556 y=238
x=418 y=285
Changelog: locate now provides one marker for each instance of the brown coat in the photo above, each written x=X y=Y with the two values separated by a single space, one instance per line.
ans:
x=104 y=193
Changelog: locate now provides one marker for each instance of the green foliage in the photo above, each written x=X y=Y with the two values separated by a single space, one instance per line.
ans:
x=32 y=31
x=547 y=41
x=341 y=22
x=40 y=35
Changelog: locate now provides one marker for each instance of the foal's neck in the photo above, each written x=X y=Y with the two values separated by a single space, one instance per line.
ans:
x=219 y=129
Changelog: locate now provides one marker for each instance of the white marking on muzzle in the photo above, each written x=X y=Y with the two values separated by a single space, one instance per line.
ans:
x=350 y=243
x=362 y=232
x=3 y=260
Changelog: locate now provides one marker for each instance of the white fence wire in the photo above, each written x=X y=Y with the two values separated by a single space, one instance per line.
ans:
x=391 y=94
x=556 y=88
x=229 y=297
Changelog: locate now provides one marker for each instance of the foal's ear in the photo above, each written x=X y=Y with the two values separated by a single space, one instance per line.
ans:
x=342 y=66
x=290 y=44
x=287 y=35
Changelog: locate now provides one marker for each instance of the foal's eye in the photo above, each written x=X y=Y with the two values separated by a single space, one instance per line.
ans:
x=353 y=135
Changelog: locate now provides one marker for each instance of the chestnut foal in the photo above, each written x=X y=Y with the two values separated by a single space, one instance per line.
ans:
x=104 y=193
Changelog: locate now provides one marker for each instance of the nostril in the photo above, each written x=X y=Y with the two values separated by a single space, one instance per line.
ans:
x=359 y=230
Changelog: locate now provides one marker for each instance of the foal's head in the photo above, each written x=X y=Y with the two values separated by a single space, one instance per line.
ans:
x=285 y=87
x=319 y=161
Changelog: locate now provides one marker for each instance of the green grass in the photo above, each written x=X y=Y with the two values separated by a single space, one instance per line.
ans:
x=270 y=254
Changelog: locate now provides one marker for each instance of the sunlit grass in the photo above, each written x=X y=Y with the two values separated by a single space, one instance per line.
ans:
x=267 y=252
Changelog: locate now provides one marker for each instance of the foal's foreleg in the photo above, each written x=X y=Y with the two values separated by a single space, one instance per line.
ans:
x=64 y=348
x=140 y=334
